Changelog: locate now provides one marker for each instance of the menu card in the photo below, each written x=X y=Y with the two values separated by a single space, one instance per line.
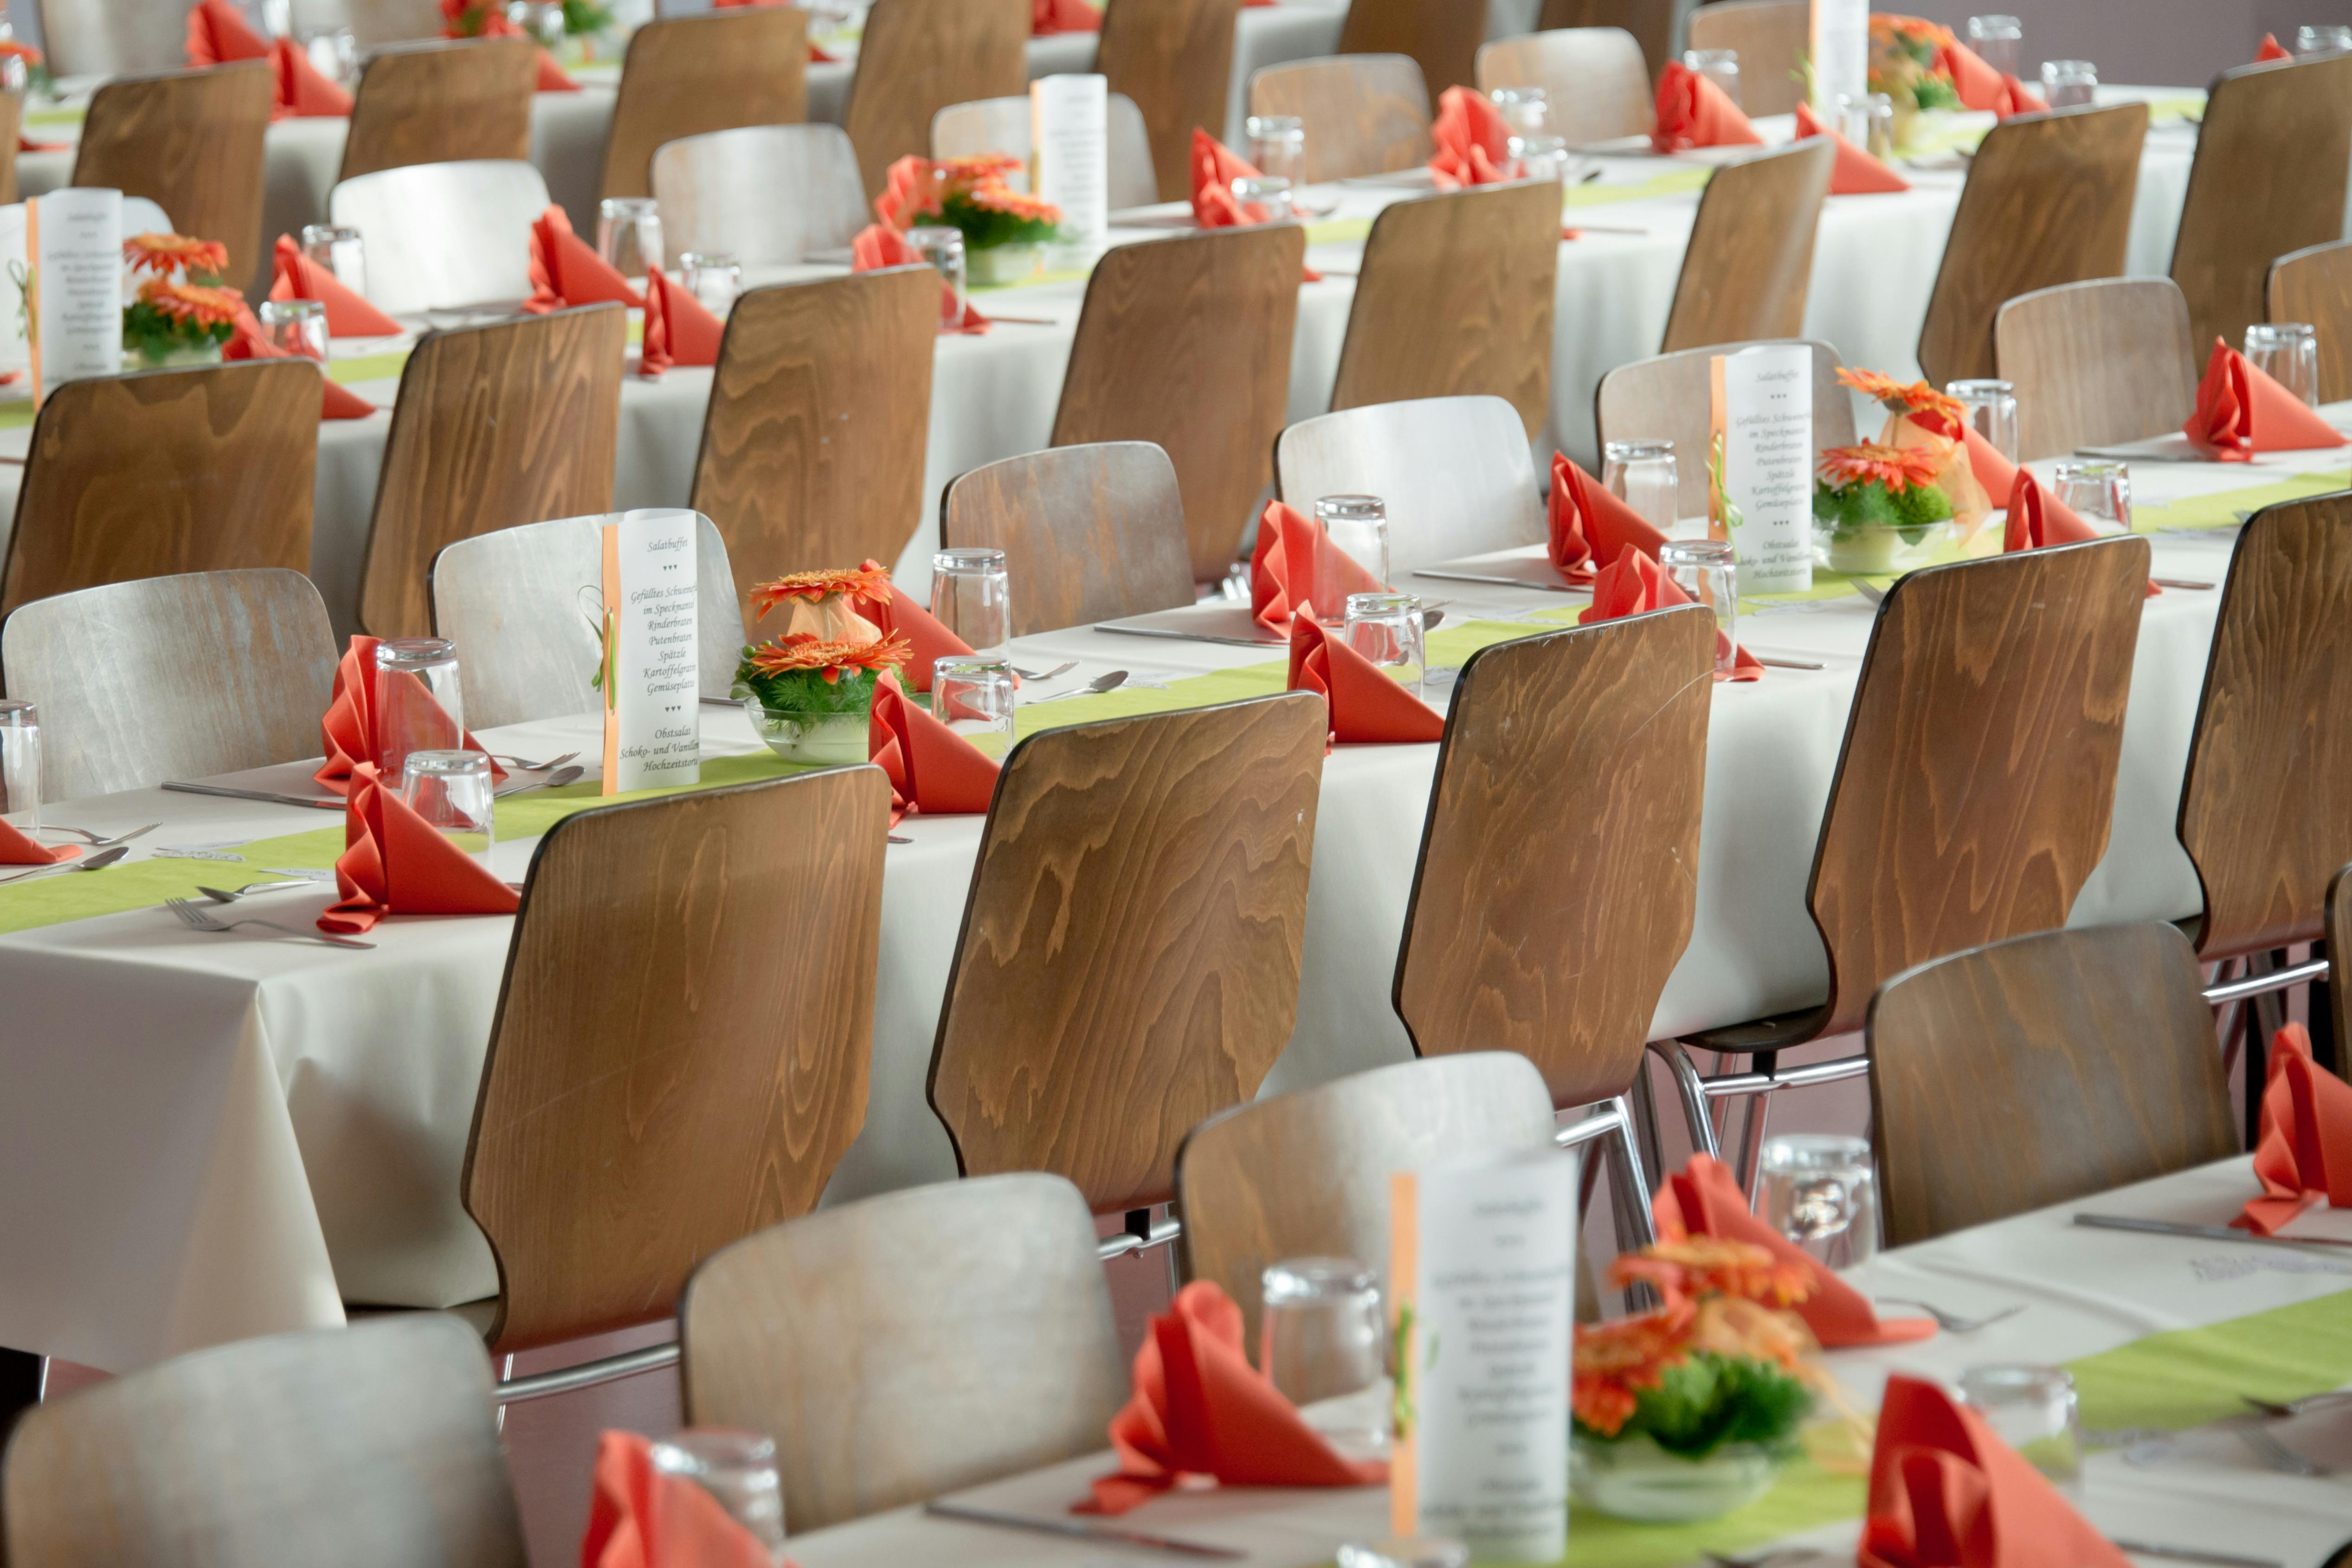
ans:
x=1482 y=1283
x=1069 y=130
x=15 y=292
x=1841 y=52
x=74 y=237
x=1760 y=464
x=652 y=679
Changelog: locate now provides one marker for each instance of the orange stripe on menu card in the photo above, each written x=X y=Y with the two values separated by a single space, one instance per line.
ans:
x=1404 y=1267
x=612 y=575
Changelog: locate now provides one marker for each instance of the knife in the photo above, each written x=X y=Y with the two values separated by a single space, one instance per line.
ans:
x=1503 y=581
x=1080 y=1530
x=329 y=804
x=1192 y=636
x=2202 y=1232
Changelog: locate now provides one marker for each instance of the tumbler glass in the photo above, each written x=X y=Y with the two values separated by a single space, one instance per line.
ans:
x=1279 y=150
x=542 y=19
x=739 y=1470
x=1868 y=121
x=1641 y=474
x=1321 y=1334
x=1820 y=1191
x=629 y=234
x=20 y=764
x=1269 y=193
x=295 y=326
x=1357 y=528
x=973 y=698
x=334 y=53
x=418 y=703
x=2098 y=490
x=2328 y=40
x=451 y=791
x=1721 y=67
x=942 y=246
x=2288 y=351
x=1996 y=41
x=1386 y=628
x=713 y=279
x=1709 y=570
x=1544 y=158
x=336 y=249
x=15 y=76
x=1525 y=109
x=1991 y=407
x=971 y=596
x=2068 y=83
x=2033 y=1409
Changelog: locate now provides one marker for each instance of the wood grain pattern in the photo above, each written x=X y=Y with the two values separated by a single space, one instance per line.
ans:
x=1175 y=59
x=1749 y=263
x=375 y=23
x=249 y=1453
x=1651 y=22
x=1773 y=36
x=166 y=472
x=12 y=119
x=1185 y=342
x=916 y=58
x=1666 y=399
x=1596 y=83
x=907 y=1346
x=2045 y=1068
x=2048 y=201
x=635 y=1118
x=1089 y=533
x=765 y=195
x=442 y=101
x=1558 y=876
x=1365 y=114
x=812 y=448
x=2268 y=178
x=1441 y=35
x=191 y=142
x=109 y=38
x=1455 y=297
x=2266 y=802
x=2313 y=285
x=1456 y=473
x=2097 y=362
x=685 y=75
x=2339 y=940
x=495 y=425
x=1128 y=962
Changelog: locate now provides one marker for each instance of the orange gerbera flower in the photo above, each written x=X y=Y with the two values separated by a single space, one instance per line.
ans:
x=187 y=302
x=1896 y=397
x=1887 y=26
x=166 y=253
x=24 y=52
x=868 y=581
x=996 y=197
x=1896 y=467
x=804 y=650
x=1703 y=1265
x=1616 y=1361
x=977 y=169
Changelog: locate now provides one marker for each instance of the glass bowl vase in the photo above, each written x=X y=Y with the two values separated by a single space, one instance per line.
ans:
x=1876 y=550
x=1633 y=1477
x=826 y=739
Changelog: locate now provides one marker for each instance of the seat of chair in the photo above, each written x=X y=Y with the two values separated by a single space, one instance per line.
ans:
x=1778 y=1032
x=479 y=1316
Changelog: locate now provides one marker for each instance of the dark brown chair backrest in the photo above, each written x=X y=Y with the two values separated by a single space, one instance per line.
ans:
x=166 y=472
x=916 y=58
x=2268 y=178
x=1772 y=38
x=191 y=142
x=1365 y=114
x=1441 y=35
x=1455 y=296
x=496 y=425
x=2048 y=201
x=2339 y=940
x=2097 y=362
x=637 y=1116
x=1175 y=59
x=1541 y=922
x=684 y=76
x=1128 y=961
x=2266 y=803
x=813 y=446
x=2313 y=285
x=1089 y=533
x=2044 y=1068
x=1185 y=342
x=441 y=102
x=1651 y=23
x=1750 y=263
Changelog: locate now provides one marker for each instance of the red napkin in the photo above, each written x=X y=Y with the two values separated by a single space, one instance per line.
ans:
x=348 y=732
x=1365 y=706
x=2304 y=1152
x=898 y=613
x=680 y=329
x=1947 y=1492
x=1997 y=474
x=2242 y=410
x=348 y=314
x=932 y=769
x=552 y=76
x=1474 y=145
x=1200 y=1408
x=1702 y=1199
x=643 y=1518
x=217 y=34
x=395 y=863
x=1694 y=112
x=1215 y=169
x=1589 y=524
x=26 y=144
x=1857 y=173
x=246 y=342
x=881 y=244
x=304 y=92
x=1295 y=562
x=1063 y=16
x=2271 y=50
x=1634 y=584
x=2037 y=518
x=20 y=849
x=1982 y=87
x=566 y=270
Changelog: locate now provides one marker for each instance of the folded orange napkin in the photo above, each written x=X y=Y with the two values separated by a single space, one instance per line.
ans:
x=680 y=329
x=1703 y=1199
x=1693 y=112
x=566 y=270
x=930 y=641
x=641 y=1517
x=217 y=34
x=348 y=731
x=2305 y=1152
x=395 y=863
x=1295 y=562
x=1997 y=474
x=246 y=342
x=349 y=315
x=932 y=769
x=303 y=91
x=2242 y=409
x=26 y=144
x=1858 y=172
x=17 y=848
x=552 y=76
x=1982 y=87
x=2037 y=518
x=1200 y=1408
x=2272 y=50
x=1634 y=584
x=1947 y=1492
x=1474 y=145
x=908 y=188
x=1063 y=16
x=1365 y=706
x=1215 y=169
x=1590 y=525
x=881 y=244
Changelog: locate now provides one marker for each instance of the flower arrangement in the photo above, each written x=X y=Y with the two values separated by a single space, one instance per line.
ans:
x=808 y=689
x=969 y=194
x=803 y=673
x=1919 y=415
x=1906 y=64
x=177 y=321
x=490 y=19
x=1871 y=485
x=26 y=59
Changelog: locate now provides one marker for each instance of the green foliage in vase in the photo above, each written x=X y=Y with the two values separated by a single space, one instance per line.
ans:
x=1708 y=1400
x=805 y=690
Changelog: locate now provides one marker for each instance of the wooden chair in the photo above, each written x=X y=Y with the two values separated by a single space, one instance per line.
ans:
x=1365 y=114
x=112 y=38
x=165 y=472
x=373 y=1447
x=375 y=23
x=2268 y=178
x=2339 y=940
x=636 y=1117
x=1089 y=533
x=1750 y=263
x=2049 y=1067
x=171 y=677
x=12 y=119
x=813 y=444
x=1174 y=58
x=1440 y=37
x=2048 y=201
x=688 y=75
x=1455 y=471
x=1455 y=297
x=1596 y=84
x=1306 y=1175
x=1001 y=125
x=2097 y=362
x=495 y=425
x=190 y=140
x=2314 y=285
x=440 y=102
x=916 y=58
x=1773 y=36
x=1666 y=399
x=1128 y=962
x=1185 y=342
x=910 y=1344
x=765 y=195
x=444 y=235
x=1651 y=22
x=511 y=602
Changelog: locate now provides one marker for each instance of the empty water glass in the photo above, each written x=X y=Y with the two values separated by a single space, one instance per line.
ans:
x=1405 y=1552
x=973 y=696
x=1709 y=570
x=1868 y=121
x=1321 y=1334
x=1820 y=1191
x=2068 y=83
x=1544 y=158
x=334 y=53
x=1269 y=193
x=739 y=1470
x=15 y=76
x=1996 y=41
x=971 y=596
x=296 y=327
x=2033 y=1409
x=2098 y=489
x=2288 y=352
x=20 y=764
x=629 y=234
x=1641 y=474
x=1721 y=67
x=1526 y=110
x=1991 y=407
x=713 y=279
x=1277 y=145
x=942 y=246
x=418 y=703
x=451 y=791
x=338 y=250
x=1386 y=628
x=542 y=20
x=1357 y=528
x=2328 y=40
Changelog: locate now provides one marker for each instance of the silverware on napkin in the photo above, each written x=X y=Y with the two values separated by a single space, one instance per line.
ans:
x=1080 y=1529
x=325 y=803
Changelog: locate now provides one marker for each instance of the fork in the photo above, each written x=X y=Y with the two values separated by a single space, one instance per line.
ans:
x=1875 y=595
x=1062 y=669
x=520 y=766
x=94 y=840
x=191 y=916
x=2273 y=1453
x=230 y=895
x=1950 y=1322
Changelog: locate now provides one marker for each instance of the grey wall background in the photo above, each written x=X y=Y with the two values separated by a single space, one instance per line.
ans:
x=2163 y=43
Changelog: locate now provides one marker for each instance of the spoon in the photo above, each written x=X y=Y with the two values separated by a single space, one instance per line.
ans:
x=220 y=896
x=98 y=861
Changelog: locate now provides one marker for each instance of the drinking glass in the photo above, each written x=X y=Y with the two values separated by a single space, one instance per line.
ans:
x=1357 y=528
x=2066 y=83
x=338 y=250
x=1544 y=158
x=971 y=596
x=2098 y=490
x=2033 y=1410
x=1641 y=474
x=1279 y=150
x=2322 y=40
x=1709 y=570
x=1991 y=407
x=451 y=791
x=1386 y=628
x=295 y=326
x=1996 y=41
x=629 y=234
x=972 y=695
x=1269 y=192
x=334 y=53
x=15 y=76
x=418 y=705
x=1868 y=121
x=715 y=279
x=1321 y=1334
x=942 y=246
x=739 y=1470
x=542 y=20
x=1525 y=109
x=1405 y=1552
x=1820 y=1190
x=2288 y=351
x=1721 y=67
x=20 y=764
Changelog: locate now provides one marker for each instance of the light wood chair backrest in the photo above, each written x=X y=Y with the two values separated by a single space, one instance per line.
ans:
x=1185 y=342
x=373 y=1447
x=915 y=59
x=2339 y=940
x=2271 y=164
x=1596 y=84
x=1440 y=37
x=2097 y=362
x=685 y=75
x=2048 y=201
x=442 y=101
x=443 y=236
x=813 y=446
x=1773 y=36
x=1002 y=125
x=1175 y=59
x=1306 y=1175
x=190 y=140
x=1365 y=114
x=2313 y=285
x=765 y=195
x=165 y=472
x=375 y=23
x=1128 y=961
x=510 y=423
x=2049 y=1067
x=12 y=120
x=111 y=37
x=1545 y=915
x=1749 y=263
x=636 y=1117
x=1089 y=533
x=171 y=677
x=1666 y=399
x=1454 y=298
x=910 y=1344
x=1651 y=23
x=1457 y=473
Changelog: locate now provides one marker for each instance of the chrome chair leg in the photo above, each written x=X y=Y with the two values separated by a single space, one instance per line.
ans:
x=1692 y=1089
x=1629 y=1181
x=1649 y=1149
x=1751 y=1128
